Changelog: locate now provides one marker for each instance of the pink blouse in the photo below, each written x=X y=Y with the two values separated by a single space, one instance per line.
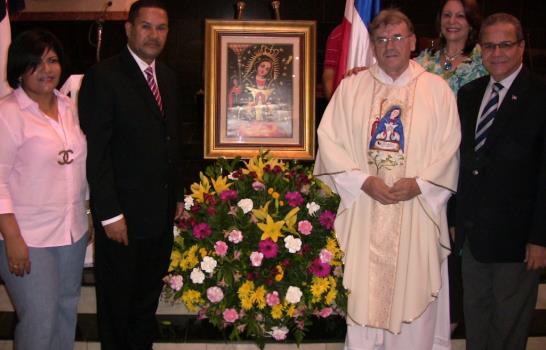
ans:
x=47 y=198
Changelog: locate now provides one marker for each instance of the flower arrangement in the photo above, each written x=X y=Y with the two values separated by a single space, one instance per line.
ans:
x=256 y=252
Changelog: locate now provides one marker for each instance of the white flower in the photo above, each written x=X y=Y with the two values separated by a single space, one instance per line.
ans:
x=256 y=259
x=188 y=202
x=176 y=282
x=197 y=276
x=278 y=333
x=312 y=208
x=293 y=295
x=208 y=264
x=292 y=244
x=235 y=236
x=176 y=231
x=246 y=204
x=231 y=177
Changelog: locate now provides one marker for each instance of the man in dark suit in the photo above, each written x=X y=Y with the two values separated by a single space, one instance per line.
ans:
x=501 y=200
x=129 y=111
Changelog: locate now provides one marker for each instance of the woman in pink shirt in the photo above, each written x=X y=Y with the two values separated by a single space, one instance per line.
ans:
x=43 y=221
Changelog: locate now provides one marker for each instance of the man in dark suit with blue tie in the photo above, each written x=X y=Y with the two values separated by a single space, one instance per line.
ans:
x=129 y=110
x=501 y=199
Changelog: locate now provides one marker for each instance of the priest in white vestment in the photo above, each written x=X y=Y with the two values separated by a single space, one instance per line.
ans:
x=388 y=145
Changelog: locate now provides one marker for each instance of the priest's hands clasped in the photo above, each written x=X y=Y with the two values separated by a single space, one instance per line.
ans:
x=402 y=190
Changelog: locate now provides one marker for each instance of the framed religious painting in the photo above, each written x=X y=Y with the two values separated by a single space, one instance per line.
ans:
x=259 y=88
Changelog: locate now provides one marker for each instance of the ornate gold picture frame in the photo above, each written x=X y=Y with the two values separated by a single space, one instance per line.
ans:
x=260 y=88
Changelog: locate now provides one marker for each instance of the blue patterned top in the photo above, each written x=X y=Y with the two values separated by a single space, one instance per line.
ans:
x=468 y=70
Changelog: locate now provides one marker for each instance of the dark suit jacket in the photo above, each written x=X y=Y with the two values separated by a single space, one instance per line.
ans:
x=132 y=148
x=501 y=199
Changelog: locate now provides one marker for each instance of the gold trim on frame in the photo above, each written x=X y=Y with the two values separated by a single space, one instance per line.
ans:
x=286 y=129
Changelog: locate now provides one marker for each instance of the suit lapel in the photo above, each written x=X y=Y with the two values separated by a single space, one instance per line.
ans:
x=139 y=82
x=507 y=110
x=473 y=103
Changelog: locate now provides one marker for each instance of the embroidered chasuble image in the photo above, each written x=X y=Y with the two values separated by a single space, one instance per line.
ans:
x=390 y=117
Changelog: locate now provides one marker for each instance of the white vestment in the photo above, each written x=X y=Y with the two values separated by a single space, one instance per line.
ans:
x=391 y=129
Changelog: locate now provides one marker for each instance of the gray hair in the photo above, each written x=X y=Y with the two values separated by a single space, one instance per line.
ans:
x=390 y=16
x=502 y=17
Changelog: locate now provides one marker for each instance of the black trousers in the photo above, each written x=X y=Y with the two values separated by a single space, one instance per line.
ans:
x=128 y=287
x=499 y=300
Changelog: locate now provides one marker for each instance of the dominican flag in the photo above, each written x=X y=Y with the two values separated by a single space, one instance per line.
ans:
x=355 y=48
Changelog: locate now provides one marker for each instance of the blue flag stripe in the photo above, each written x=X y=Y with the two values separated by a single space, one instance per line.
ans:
x=367 y=9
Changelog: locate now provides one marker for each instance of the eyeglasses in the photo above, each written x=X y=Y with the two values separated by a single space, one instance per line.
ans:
x=503 y=46
x=395 y=39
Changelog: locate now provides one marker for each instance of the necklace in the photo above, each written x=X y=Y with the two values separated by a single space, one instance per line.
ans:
x=448 y=64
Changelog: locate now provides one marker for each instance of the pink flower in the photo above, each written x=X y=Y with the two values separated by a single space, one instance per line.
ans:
x=325 y=256
x=325 y=312
x=215 y=294
x=221 y=248
x=305 y=227
x=230 y=315
x=256 y=259
x=319 y=268
x=278 y=333
x=268 y=248
x=235 y=236
x=327 y=219
x=201 y=230
x=258 y=186
x=272 y=298
x=294 y=199
x=228 y=195
x=211 y=211
x=176 y=282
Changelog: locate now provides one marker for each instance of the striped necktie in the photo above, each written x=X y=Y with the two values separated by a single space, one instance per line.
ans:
x=153 y=86
x=488 y=116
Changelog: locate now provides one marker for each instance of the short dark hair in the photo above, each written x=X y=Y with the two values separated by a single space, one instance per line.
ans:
x=473 y=17
x=26 y=50
x=390 y=16
x=137 y=5
x=502 y=17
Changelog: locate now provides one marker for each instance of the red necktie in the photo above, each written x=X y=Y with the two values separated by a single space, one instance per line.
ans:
x=153 y=86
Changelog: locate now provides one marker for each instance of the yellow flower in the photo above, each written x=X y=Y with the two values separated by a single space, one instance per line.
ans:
x=189 y=259
x=276 y=311
x=245 y=289
x=203 y=252
x=291 y=219
x=271 y=229
x=199 y=189
x=319 y=287
x=281 y=203
x=270 y=190
x=246 y=303
x=291 y=310
x=273 y=162
x=220 y=184
x=331 y=245
x=261 y=214
x=280 y=273
x=255 y=165
x=176 y=256
x=275 y=195
x=258 y=297
x=192 y=299
x=332 y=294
